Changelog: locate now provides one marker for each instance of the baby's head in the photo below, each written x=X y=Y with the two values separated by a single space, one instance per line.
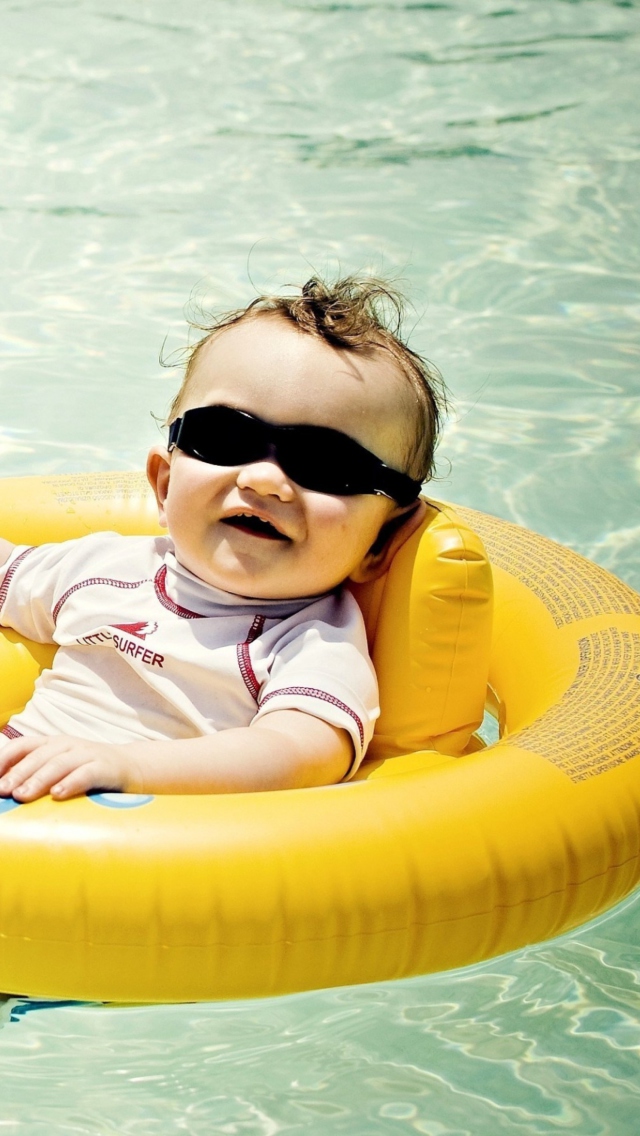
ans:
x=299 y=439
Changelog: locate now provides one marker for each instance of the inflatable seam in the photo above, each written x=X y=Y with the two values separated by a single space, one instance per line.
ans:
x=469 y=554
x=361 y=933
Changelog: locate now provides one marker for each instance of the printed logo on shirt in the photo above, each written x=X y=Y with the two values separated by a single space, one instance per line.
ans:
x=140 y=630
x=127 y=646
x=137 y=651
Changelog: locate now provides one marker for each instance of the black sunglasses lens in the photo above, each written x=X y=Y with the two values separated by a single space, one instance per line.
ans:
x=316 y=457
x=222 y=436
x=325 y=461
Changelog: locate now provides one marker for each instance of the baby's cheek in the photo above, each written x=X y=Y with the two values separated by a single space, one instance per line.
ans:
x=348 y=526
x=332 y=518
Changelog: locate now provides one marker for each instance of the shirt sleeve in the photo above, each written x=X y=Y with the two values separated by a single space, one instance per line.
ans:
x=30 y=582
x=319 y=663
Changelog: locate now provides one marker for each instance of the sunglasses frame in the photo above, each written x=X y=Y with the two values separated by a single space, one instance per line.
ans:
x=374 y=477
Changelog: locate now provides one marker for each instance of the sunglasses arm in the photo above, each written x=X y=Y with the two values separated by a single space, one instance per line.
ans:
x=174 y=434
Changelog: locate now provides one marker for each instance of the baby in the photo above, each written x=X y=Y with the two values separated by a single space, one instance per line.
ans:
x=228 y=657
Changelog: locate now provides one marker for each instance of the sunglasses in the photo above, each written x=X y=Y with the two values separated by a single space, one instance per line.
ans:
x=315 y=457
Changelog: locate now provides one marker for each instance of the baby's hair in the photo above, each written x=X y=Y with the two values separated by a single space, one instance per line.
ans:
x=352 y=314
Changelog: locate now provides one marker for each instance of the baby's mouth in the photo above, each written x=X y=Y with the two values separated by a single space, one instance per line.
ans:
x=247 y=522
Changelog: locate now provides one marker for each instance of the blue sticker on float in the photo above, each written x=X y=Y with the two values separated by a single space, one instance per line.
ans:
x=8 y=803
x=120 y=800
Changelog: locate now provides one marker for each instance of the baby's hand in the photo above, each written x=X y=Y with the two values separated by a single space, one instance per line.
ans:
x=63 y=766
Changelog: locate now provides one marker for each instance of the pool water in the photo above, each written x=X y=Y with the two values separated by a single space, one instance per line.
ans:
x=485 y=153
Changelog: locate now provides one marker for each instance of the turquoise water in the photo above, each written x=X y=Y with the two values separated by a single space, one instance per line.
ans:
x=487 y=155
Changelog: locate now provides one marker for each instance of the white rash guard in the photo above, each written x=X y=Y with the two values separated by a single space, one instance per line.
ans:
x=149 y=651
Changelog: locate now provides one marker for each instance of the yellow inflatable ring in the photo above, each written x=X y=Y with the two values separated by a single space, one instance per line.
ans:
x=440 y=855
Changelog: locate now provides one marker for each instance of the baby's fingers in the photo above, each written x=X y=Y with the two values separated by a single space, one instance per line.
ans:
x=18 y=773
x=11 y=754
x=82 y=780
x=34 y=776
x=63 y=766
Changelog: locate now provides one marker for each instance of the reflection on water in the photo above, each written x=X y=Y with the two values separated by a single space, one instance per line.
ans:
x=486 y=153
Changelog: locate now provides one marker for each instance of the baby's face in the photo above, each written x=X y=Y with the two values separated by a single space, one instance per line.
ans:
x=312 y=541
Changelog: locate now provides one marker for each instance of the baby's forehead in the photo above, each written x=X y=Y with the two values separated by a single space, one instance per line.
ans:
x=269 y=342
x=267 y=366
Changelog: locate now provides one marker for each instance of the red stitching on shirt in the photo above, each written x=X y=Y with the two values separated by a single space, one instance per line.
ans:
x=11 y=572
x=11 y=732
x=160 y=586
x=324 y=696
x=244 y=656
x=89 y=583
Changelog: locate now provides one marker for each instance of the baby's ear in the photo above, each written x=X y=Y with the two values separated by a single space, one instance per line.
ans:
x=158 y=469
x=401 y=525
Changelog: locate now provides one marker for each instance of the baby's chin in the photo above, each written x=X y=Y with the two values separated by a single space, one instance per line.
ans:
x=251 y=589
x=265 y=588
x=234 y=579
x=260 y=570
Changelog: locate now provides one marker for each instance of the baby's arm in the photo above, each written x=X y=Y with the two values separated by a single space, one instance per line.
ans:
x=286 y=749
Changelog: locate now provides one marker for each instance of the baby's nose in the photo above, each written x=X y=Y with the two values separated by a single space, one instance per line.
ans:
x=266 y=478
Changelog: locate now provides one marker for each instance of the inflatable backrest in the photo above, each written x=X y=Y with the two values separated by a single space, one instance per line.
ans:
x=429 y=629
x=428 y=619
